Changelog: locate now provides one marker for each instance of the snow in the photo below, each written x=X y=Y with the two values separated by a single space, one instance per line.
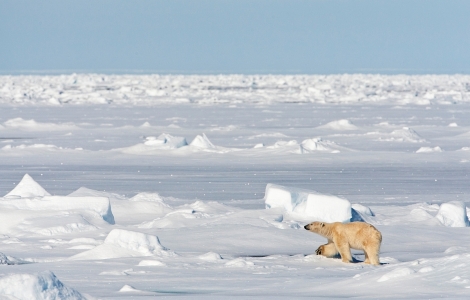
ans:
x=429 y=149
x=157 y=185
x=308 y=204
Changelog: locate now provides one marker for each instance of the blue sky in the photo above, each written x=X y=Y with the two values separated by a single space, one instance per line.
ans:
x=239 y=36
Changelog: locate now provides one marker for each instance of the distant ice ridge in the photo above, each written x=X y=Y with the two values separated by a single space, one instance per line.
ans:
x=309 y=205
x=148 y=90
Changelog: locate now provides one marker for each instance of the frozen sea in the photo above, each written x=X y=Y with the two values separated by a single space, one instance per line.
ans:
x=145 y=186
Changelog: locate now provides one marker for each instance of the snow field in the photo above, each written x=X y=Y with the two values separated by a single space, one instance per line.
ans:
x=171 y=171
x=229 y=230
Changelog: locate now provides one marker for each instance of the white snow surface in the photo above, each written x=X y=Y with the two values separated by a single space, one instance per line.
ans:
x=152 y=186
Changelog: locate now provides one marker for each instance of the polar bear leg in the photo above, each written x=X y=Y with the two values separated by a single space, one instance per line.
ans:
x=328 y=250
x=344 y=250
x=372 y=255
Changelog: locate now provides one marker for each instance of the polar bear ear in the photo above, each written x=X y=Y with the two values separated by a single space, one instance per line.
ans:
x=322 y=224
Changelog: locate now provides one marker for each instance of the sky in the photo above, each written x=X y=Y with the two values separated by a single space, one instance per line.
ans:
x=235 y=36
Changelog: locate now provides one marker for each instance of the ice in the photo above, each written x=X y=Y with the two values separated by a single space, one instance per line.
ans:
x=201 y=141
x=429 y=149
x=453 y=214
x=205 y=201
x=32 y=125
x=128 y=288
x=340 y=125
x=125 y=243
x=27 y=188
x=99 y=206
x=210 y=256
x=151 y=263
x=239 y=263
x=4 y=260
x=308 y=204
x=153 y=144
x=405 y=134
x=166 y=141
x=317 y=144
x=41 y=286
x=86 y=89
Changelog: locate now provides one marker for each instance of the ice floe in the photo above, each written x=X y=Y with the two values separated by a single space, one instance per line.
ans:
x=308 y=205
x=453 y=214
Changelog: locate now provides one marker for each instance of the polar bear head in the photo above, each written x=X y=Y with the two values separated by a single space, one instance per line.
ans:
x=314 y=226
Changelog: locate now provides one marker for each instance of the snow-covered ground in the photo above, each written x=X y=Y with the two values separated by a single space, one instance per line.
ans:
x=198 y=187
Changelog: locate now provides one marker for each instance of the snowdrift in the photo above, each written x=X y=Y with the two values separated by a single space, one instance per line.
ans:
x=308 y=204
x=125 y=243
x=40 y=286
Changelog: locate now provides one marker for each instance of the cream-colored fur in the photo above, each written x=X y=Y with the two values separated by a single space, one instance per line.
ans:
x=342 y=237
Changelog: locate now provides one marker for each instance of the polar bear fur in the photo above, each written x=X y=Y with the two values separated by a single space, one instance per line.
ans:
x=342 y=237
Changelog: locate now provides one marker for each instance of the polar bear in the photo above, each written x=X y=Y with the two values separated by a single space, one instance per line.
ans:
x=341 y=237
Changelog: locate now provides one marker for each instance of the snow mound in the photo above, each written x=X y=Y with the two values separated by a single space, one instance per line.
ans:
x=453 y=214
x=317 y=144
x=202 y=142
x=308 y=204
x=98 y=205
x=41 y=286
x=166 y=141
x=429 y=149
x=239 y=263
x=282 y=144
x=125 y=243
x=151 y=263
x=150 y=197
x=127 y=288
x=32 y=125
x=340 y=125
x=406 y=134
x=4 y=260
x=398 y=272
x=27 y=188
x=210 y=256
